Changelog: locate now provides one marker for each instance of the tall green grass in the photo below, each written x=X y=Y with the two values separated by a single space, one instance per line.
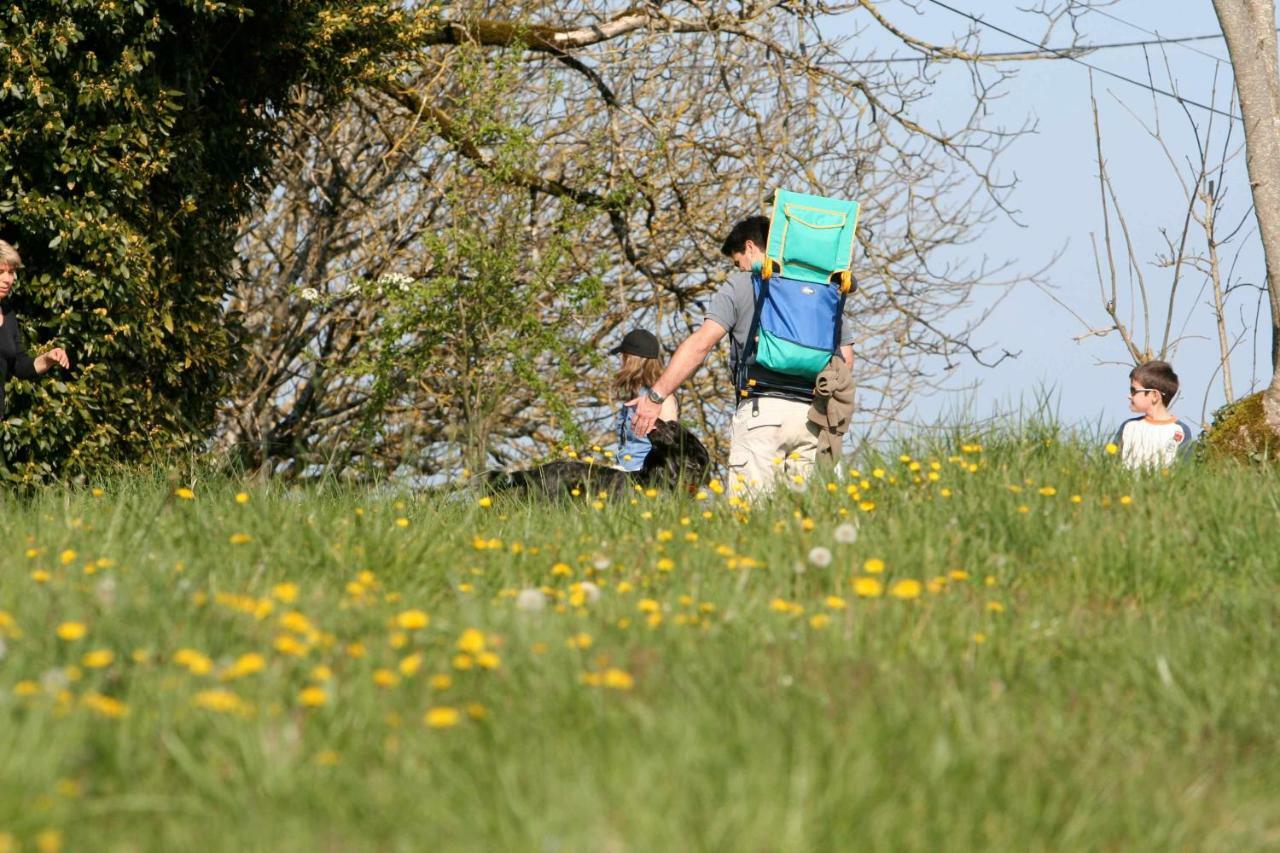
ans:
x=1078 y=675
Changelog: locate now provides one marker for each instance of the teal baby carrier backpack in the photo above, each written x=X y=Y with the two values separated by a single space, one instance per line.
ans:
x=800 y=291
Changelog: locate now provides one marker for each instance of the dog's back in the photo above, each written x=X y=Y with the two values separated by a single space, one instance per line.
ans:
x=676 y=458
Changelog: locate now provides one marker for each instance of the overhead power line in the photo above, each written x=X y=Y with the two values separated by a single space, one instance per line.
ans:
x=1063 y=55
x=1131 y=25
x=1041 y=52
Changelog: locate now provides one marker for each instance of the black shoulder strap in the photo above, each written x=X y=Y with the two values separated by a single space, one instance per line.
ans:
x=760 y=287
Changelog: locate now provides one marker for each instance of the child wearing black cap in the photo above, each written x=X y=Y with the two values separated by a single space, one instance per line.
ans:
x=641 y=366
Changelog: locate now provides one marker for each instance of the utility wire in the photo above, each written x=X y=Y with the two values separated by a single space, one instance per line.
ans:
x=1131 y=25
x=1040 y=52
x=1156 y=89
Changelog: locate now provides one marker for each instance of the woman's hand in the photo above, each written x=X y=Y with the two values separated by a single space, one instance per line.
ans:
x=57 y=356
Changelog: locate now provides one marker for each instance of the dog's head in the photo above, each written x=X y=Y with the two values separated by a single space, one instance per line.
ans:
x=676 y=458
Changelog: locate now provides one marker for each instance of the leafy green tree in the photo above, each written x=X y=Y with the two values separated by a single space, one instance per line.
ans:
x=134 y=137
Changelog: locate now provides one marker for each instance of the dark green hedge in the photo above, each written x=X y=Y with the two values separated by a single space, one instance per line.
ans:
x=134 y=135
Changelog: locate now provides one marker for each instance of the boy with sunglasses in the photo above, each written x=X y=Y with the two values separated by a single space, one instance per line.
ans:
x=1156 y=438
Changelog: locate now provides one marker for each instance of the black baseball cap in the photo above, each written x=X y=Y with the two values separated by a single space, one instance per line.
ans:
x=638 y=342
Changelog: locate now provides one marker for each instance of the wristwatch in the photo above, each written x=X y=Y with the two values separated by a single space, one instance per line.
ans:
x=655 y=397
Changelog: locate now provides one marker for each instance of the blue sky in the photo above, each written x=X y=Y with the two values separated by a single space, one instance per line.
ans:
x=1059 y=206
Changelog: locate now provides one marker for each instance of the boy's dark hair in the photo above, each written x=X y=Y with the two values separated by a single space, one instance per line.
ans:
x=753 y=228
x=1158 y=375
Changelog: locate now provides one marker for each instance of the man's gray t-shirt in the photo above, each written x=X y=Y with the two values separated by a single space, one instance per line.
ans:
x=733 y=306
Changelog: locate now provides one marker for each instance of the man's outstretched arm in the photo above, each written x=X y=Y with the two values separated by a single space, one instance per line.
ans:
x=687 y=358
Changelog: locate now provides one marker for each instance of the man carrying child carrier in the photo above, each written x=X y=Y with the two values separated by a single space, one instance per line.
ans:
x=774 y=433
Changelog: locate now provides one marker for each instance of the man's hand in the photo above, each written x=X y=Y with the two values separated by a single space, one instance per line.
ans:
x=57 y=356
x=646 y=415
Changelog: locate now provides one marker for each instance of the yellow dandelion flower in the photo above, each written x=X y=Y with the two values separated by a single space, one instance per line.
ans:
x=581 y=640
x=1075 y=499
x=476 y=711
x=40 y=576
x=441 y=717
x=195 y=662
x=1112 y=448
x=242 y=497
x=410 y=664
x=463 y=662
x=471 y=641
x=71 y=631
x=867 y=587
x=666 y=564
x=488 y=660
x=441 y=681
x=402 y=522
x=285 y=593
x=321 y=673
x=867 y=506
x=385 y=678
x=26 y=687
x=97 y=659
x=835 y=602
x=1125 y=500
x=67 y=557
x=247 y=664
x=819 y=621
x=617 y=679
x=485 y=502
x=296 y=622
x=979 y=638
x=873 y=566
x=313 y=697
x=1048 y=491
x=412 y=620
x=105 y=706
x=356 y=650
x=185 y=493
x=240 y=538
x=906 y=589
x=220 y=700
x=327 y=758
x=287 y=644
x=49 y=841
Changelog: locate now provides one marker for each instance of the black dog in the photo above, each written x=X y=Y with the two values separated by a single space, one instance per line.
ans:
x=677 y=459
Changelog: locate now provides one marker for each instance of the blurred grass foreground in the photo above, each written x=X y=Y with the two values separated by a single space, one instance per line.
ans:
x=1007 y=645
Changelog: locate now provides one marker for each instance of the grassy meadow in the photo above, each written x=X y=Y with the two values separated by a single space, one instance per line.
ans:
x=1004 y=644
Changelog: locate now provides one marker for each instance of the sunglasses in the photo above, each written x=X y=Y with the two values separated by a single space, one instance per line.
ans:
x=1133 y=391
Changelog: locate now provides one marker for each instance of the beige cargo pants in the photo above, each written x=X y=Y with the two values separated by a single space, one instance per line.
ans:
x=771 y=440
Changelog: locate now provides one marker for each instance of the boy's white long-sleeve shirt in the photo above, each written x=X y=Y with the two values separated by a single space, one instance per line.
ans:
x=1147 y=442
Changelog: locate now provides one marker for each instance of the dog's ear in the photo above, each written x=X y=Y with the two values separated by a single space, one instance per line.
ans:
x=665 y=434
x=500 y=481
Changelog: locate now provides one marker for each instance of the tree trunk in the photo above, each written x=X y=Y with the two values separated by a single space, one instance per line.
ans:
x=1250 y=30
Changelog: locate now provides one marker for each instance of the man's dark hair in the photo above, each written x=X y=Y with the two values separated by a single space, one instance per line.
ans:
x=1158 y=375
x=753 y=228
